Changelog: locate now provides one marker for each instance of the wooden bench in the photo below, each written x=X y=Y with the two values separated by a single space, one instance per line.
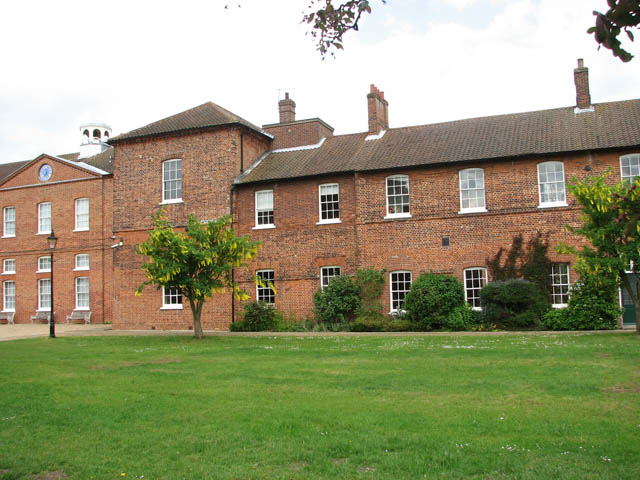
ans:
x=78 y=316
x=8 y=316
x=41 y=317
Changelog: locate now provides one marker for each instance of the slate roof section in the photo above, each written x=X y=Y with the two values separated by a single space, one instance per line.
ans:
x=6 y=169
x=103 y=161
x=206 y=115
x=561 y=130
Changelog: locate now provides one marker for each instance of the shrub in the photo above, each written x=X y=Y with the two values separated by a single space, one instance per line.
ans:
x=338 y=302
x=432 y=299
x=557 y=319
x=513 y=304
x=371 y=282
x=593 y=304
x=368 y=324
x=462 y=318
x=258 y=317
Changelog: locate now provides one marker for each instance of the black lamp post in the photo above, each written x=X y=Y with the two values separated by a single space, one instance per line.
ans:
x=52 y=239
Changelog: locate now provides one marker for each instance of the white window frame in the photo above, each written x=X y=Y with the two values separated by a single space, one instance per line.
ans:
x=5 y=233
x=41 y=294
x=172 y=182
x=392 y=291
x=404 y=178
x=5 y=297
x=172 y=293
x=46 y=258
x=328 y=273
x=77 y=268
x=555 y=203
x=264 y=210
x=327 y=186
x=79 y=280
x=7 y=271
x=41 y=218
x=560 y=285
x=474 y=289
x=266 y=292
x=80 y=216
x=477 y=209
x=635 y=157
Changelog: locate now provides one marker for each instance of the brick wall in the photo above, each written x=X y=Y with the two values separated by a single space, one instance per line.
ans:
x=28 y=246
x=298 y=133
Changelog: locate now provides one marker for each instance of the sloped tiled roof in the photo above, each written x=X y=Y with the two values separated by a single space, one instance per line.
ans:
x=7 y=169
x=610 y=125
x=206 y=115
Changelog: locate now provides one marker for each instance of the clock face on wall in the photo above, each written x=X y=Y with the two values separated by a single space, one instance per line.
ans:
x=45 y=172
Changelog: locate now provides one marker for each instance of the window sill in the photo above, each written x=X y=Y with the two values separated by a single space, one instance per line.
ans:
x=329 y=222
x=560 y=305
x=472 y=210
x=169 y=202
x=46 y=310
x=8 y=310
x=393 y=216
x=81 y=309
x=43 y=271
x=44 y=233
x=8 y=236
x=83 y=269
x=8 y=273
x=553 y=204
x=172 y=307
x=263 y=227
x=80 y=230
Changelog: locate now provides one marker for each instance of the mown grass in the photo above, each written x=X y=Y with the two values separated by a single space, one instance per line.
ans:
x=489 y=407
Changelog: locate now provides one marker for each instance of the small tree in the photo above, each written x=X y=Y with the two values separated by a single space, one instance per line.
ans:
x=199 y=261
x=608 y=212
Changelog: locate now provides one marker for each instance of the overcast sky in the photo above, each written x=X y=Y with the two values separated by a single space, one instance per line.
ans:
x=129 y=63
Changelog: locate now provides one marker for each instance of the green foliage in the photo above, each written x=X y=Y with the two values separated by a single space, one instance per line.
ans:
x=594 y=303
x=529 y=262
x=607 y=213
x=622 y=15
x=199 y=261
x=259 y=317
x=432 y=299
x=371 y=283
x=557 y=319
x=338 y=302
x=462 y=318
x=512 y=304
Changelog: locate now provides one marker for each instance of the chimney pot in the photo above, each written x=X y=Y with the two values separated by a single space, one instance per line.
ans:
x=287 y=109
x=378 y=111
x=581 y=80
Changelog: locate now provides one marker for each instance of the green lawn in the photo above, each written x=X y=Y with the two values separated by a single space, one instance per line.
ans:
x=485 y=407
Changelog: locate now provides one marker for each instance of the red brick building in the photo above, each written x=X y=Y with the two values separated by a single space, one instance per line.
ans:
x=441 y=197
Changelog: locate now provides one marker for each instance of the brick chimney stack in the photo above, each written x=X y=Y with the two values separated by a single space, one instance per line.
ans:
x=378 y=115
x=287 y=109
x=581 y=79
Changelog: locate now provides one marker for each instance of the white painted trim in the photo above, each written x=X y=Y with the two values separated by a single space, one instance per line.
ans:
x=392 y=310
x=464 y=282
x=377 y=136
x=329 y=222
x=483 y=208
x=263 y=227
x=630 y=155
x=255 y=209
x=386 y=196
x=584 y=110
x=562 y=203
x=333 y=220
x=391 y=216
x=472 y=210
x=329 y=266
x=304 y=147
x=8 y=236
x=81 y=309
x=8 y=310
x=177 y=306
x=170 y=202
x=553 y=205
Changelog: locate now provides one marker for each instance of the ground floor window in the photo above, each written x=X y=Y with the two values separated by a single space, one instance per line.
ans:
x=44 y=294
x=400 y=286
x=9 y=294
x=171 y=298
x=82 y=293
x=265 y=293
x=560 y=284
x=327 y=274
x=474 y=280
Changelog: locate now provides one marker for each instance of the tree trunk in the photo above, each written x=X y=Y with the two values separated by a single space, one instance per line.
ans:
x=196 y=310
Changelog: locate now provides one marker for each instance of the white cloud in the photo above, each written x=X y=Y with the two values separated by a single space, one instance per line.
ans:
x=136 y=62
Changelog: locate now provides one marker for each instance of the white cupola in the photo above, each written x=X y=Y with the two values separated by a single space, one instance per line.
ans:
x=94 y=138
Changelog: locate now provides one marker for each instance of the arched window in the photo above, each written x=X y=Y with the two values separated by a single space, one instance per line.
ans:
x=96 y=133
x=106 y=134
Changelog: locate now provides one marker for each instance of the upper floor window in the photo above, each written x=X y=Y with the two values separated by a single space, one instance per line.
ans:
x=9 y=222
x=327 y=274
x=44 y=217
x=399 y=287
x=82 y=293
x=630 y=167
x=265 y=293
x=172 y=181
x=9 y=266
x=44 y=294
x=171 y=298
x=559 y=285
x=82 y=214
x=9 y=294
x=329 y=203
x=44 y=264
x=82 y=261
x=474 y=280
x=551 y=184
x=472 y=190
x=264 y=209
x=398 y=196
